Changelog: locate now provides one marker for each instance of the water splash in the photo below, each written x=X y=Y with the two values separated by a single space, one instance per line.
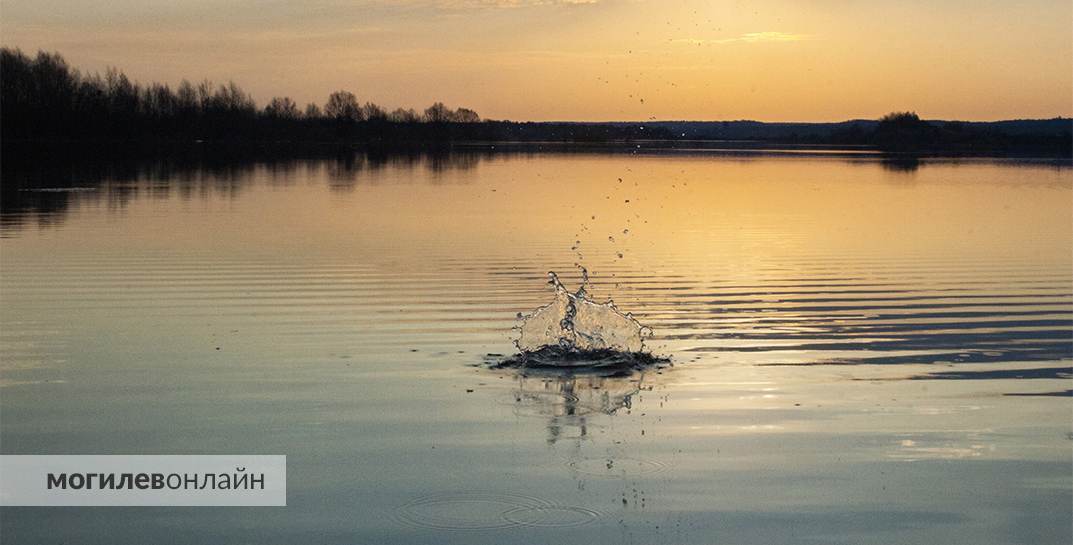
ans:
x=575 y=331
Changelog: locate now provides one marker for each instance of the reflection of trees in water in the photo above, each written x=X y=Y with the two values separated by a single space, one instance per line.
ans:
x=908 y=164
x=343 y=172
x=40 y=189
x=439 y=163
x=567 y=401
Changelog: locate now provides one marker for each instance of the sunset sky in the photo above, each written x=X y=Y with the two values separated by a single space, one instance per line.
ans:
x=770 y=60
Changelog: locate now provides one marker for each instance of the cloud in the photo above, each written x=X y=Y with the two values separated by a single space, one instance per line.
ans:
x=749 y=38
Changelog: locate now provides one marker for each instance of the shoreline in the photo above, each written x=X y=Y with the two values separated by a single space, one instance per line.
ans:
x=105 y=149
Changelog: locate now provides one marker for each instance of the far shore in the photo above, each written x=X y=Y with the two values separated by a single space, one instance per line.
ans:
x=104 y=149
x=47 y=103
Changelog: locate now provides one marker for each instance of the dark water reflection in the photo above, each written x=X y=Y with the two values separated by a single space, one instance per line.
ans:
x=39 y=189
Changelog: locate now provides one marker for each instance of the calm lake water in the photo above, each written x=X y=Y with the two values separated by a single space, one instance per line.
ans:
x=863 y=351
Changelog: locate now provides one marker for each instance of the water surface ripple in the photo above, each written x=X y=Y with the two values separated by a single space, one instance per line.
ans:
x=860 y=354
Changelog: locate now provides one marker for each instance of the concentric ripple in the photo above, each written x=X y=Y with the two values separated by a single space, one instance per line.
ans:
x=481 y=510
x=472 y=510
x=615 y=466
x=551 y=517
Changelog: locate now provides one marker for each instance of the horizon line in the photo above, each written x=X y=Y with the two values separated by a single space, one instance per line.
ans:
x=848 y=120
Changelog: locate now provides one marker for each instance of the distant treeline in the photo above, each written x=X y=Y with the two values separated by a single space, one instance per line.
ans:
x=43 y=100
x=906 y=132
x=897 y=132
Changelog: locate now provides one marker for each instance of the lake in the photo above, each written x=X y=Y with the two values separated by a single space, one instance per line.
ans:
x=862 y=350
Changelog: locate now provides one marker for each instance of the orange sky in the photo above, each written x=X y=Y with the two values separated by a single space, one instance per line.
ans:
x=771 y=60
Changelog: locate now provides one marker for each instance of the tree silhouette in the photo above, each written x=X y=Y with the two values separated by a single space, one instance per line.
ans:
x=401 y=115
x=282 y=108
x=343 y=106
x=372 y=112
x=437 y=113
x=904 y=131
x=45 y=101
x=465 y=115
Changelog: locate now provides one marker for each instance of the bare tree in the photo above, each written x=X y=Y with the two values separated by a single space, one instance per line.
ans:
x=45 y=98
x=233 y=99
x=282 y=108
x=343 y=106
x=466 y=115
x=158 y=102
x=186 y=96
x=438 y=113
x=373 y=112
x=404 y=116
